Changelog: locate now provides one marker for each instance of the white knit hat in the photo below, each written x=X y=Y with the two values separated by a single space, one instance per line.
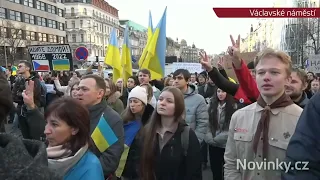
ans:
x=139 y=93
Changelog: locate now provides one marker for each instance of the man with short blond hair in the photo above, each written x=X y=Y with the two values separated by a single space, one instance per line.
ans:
x=260 y=132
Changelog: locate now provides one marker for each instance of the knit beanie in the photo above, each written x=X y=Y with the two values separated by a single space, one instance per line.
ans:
x=139 y=93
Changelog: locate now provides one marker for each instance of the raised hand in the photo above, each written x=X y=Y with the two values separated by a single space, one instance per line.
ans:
x=27 y=94
x=205 y=61
x=220 y=63
x=234 y=51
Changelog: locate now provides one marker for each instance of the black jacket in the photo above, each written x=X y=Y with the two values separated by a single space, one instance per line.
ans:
x=19 y=86
x=130 y=170
x=172 y=164
x=5 y=99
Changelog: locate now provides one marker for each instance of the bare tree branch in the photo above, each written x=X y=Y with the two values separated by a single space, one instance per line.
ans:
x=13 y=38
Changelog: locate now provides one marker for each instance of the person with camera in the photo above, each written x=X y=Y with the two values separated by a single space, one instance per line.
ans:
x=25 y=74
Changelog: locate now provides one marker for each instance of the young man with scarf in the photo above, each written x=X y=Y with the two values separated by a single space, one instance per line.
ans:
x=259 y=133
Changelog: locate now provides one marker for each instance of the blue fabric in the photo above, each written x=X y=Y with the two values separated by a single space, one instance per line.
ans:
x=130 y=131
x=88 y=168
x=304 y=145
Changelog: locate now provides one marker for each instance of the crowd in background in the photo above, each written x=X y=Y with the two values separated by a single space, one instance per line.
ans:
x=94 y=127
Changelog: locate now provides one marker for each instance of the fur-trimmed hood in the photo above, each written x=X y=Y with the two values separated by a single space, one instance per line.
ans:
x=113 y=97
x=24 y=159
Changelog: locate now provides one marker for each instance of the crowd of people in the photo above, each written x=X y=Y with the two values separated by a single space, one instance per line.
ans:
x=71 y=126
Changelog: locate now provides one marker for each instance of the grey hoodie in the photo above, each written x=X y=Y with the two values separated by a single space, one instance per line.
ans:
x=197 y=116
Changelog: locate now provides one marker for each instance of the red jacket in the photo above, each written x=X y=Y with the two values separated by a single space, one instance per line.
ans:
x=247 y=83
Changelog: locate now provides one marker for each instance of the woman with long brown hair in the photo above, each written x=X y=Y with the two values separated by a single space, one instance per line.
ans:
x=134 y=117
x=170 y=149
x=221 y=108
x=112 y=96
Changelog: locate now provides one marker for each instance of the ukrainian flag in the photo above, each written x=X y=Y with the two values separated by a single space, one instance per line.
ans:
x=103 y=136
x=156 y=50
x=126 y=58
x=150 y=33
x=130 y=131
x=112 y=57
x=61 y=65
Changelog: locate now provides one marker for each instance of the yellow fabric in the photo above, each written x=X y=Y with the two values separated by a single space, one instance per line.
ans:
x=99 y=140
x=232 y=80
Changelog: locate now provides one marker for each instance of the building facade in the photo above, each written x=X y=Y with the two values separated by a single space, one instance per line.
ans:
x=300 y=36
x=89 y=23
x=138 y=37
x=188 y=53
x=173 y=48
x=29 y=22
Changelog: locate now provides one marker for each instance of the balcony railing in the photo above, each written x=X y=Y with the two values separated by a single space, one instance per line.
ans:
x=76 y=15
x=95 y=17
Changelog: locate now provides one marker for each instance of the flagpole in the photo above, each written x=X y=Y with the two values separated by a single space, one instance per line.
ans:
x=122 y=73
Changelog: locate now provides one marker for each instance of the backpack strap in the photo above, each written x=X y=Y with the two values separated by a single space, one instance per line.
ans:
x=185 y=139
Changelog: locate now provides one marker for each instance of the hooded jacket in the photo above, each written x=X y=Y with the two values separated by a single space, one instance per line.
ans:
x=197 y=116
x=115 y=103
x=24 y=159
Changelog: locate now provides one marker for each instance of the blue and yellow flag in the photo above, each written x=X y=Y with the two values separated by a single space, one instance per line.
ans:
x=126 y=58
x=112 y=57
x=145 y=50
x=156 y=50
x=130 y=131
x=103 y=136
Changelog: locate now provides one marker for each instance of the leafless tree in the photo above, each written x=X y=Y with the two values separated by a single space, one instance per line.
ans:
x=312 y=28
x=12 y=37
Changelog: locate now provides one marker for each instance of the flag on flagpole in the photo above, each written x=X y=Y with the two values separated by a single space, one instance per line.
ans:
x=126 y=60
x=150 y=33
x=112 y=58
x=156 y=50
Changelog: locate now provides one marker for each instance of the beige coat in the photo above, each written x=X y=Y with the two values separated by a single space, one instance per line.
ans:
x=239 y=149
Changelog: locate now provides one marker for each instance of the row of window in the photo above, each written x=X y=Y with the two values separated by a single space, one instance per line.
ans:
x=95 y=14
x=30 y=19
x=40 y=6
x=95 y=39
x=30 y=35
x=87 y=24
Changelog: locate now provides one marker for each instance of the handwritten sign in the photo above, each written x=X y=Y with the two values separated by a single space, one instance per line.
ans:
x=191 y=67
x=313 y=63
x=57 y=57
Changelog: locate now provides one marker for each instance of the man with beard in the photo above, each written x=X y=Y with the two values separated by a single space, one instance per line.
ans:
x=296 y=88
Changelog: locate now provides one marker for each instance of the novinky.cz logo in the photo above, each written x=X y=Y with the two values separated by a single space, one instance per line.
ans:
x=271 y=165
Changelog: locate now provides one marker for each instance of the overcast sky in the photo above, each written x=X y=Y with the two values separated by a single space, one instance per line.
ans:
x=191 y=20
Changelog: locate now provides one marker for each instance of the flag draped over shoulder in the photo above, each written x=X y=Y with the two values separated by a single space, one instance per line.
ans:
x=130 y=131
x=103 y=136
x=156 y=50
x=126 y=58
x=112 y=57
